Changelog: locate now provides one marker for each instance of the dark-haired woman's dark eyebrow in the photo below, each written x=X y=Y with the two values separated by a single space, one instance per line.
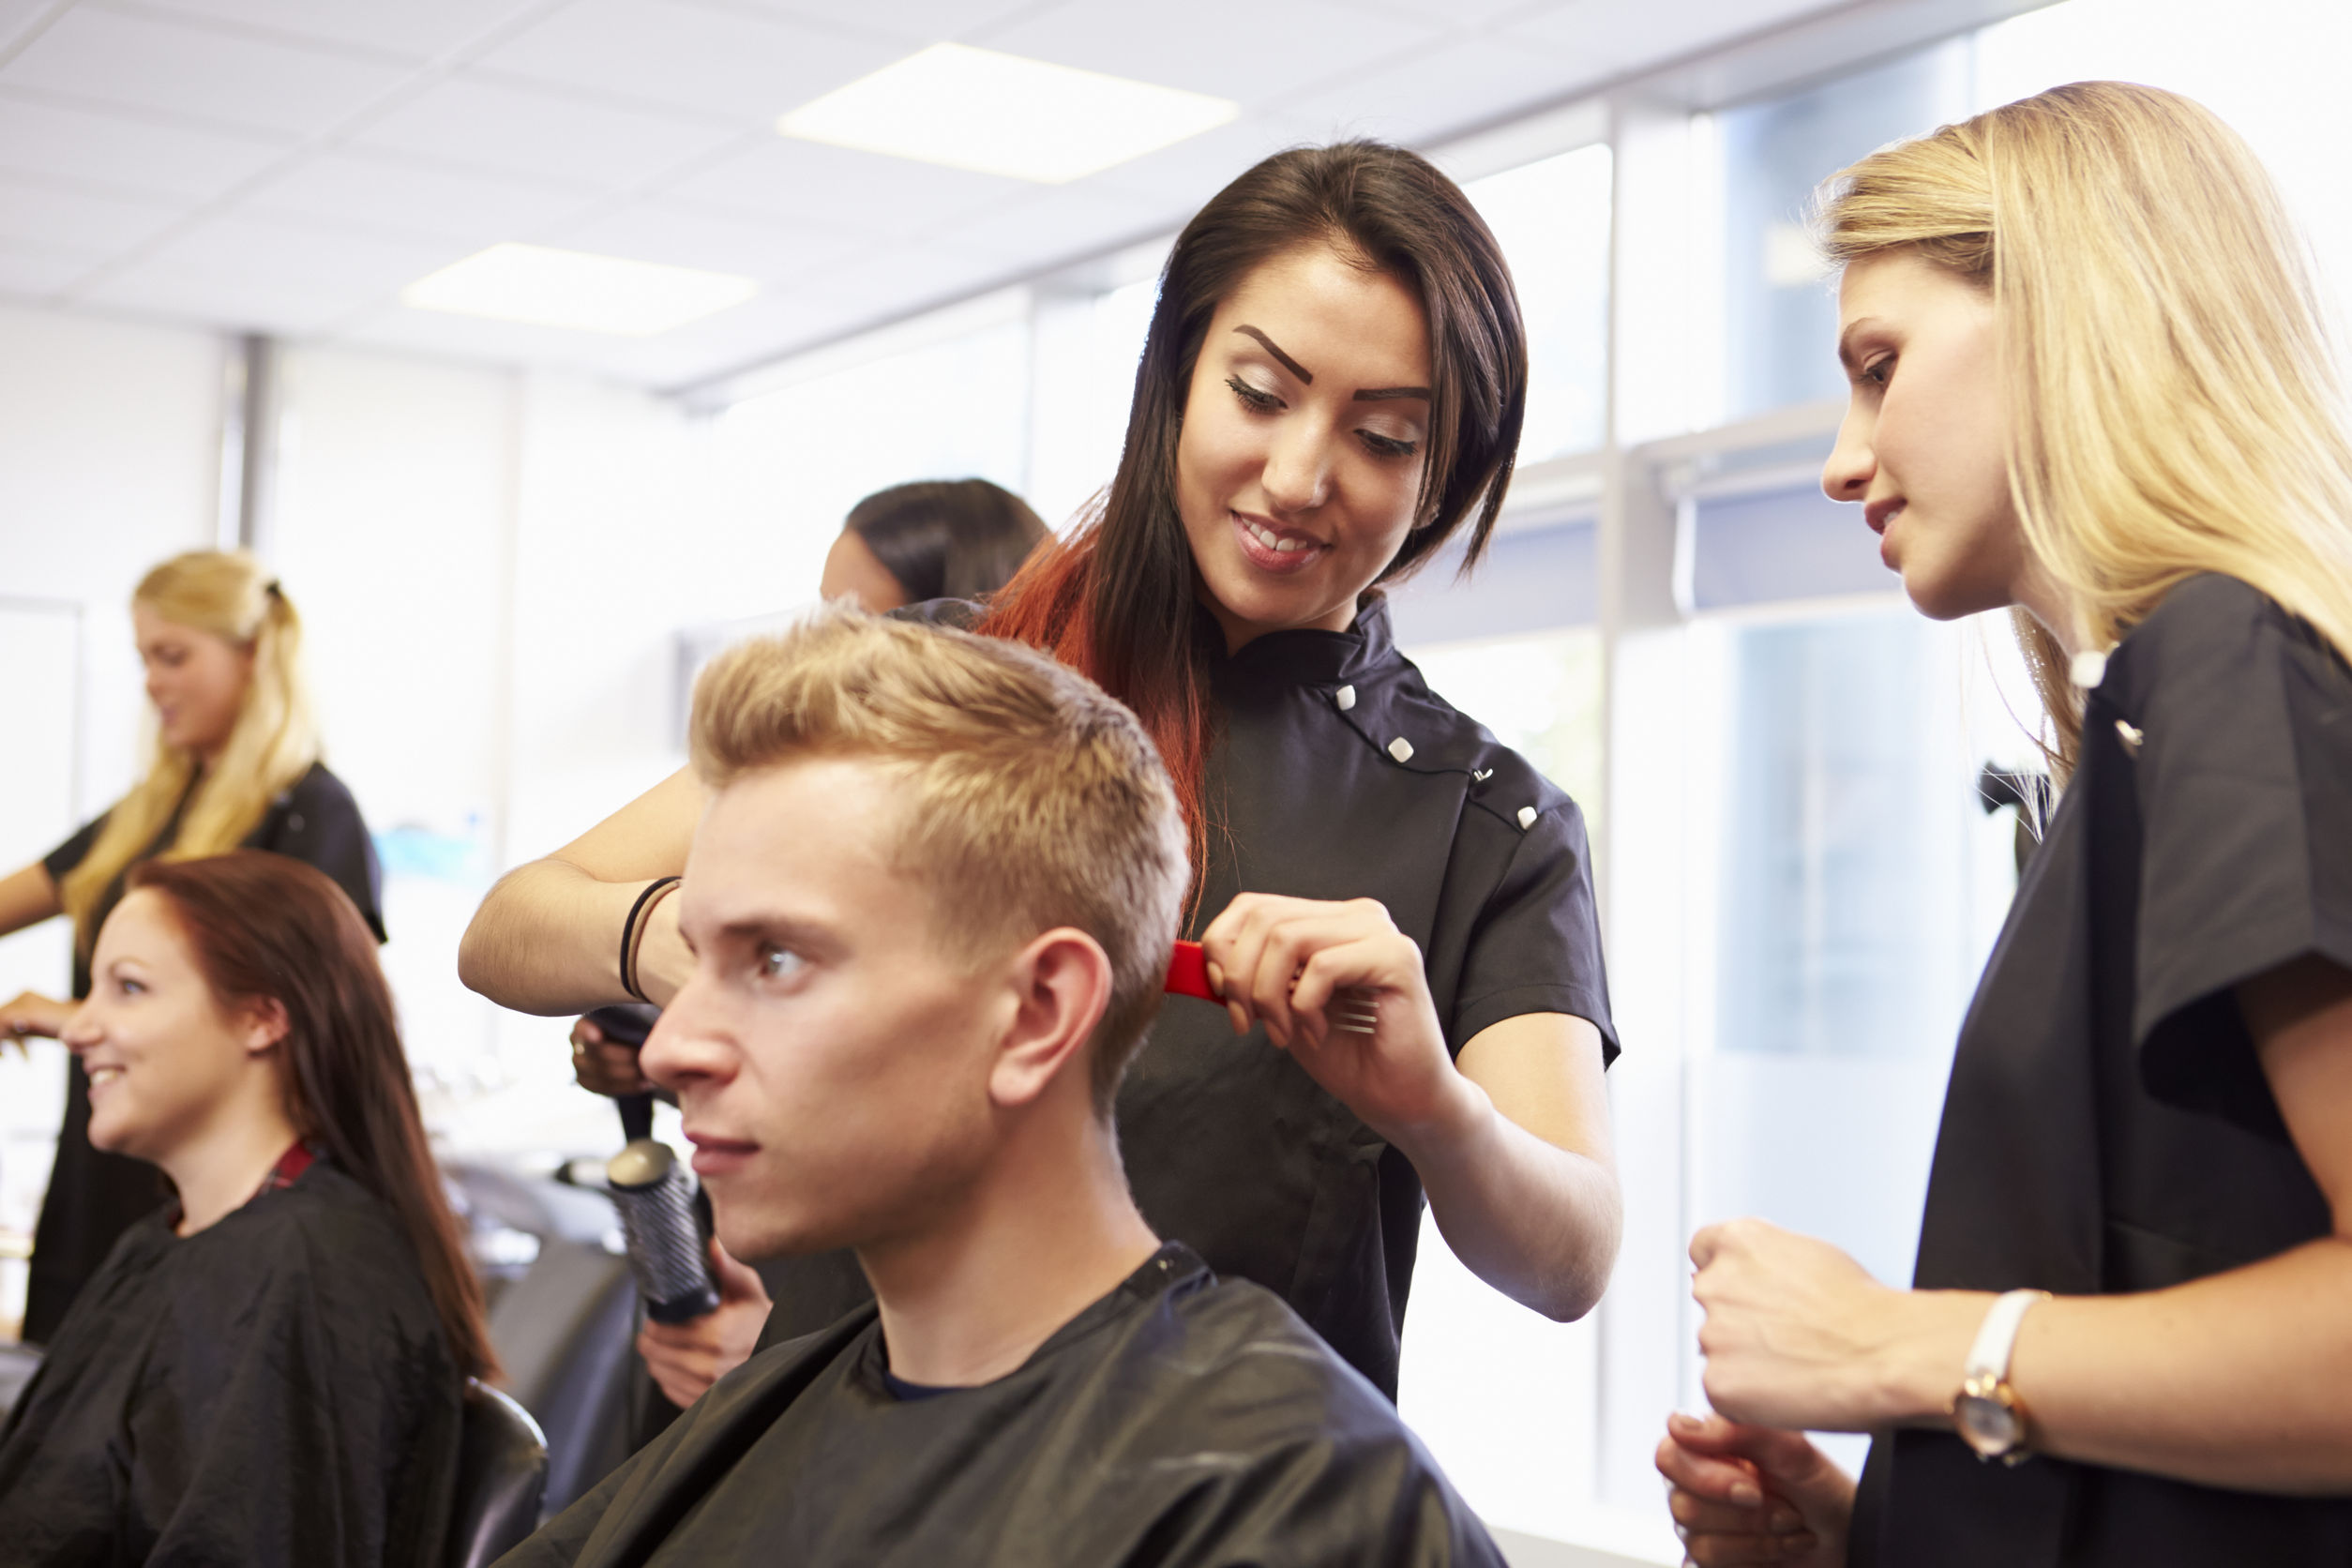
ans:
x=1271 y=347
x=1383 y=394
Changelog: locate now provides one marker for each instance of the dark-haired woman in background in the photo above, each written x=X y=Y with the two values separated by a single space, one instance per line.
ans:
x=269 y=1371
x=1332 y=387
x=931 y=539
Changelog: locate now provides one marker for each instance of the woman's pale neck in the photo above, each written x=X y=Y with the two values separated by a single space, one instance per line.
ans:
x=221 y=1165
x=2041 y=598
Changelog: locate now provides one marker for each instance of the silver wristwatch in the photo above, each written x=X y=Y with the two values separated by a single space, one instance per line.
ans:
x=1990 y=1417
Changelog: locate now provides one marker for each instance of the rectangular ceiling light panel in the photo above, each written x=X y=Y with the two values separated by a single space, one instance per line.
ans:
x=1003 y=115
x=578 y=291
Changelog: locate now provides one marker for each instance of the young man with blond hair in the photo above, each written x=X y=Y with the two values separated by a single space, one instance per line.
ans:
x=931 y=901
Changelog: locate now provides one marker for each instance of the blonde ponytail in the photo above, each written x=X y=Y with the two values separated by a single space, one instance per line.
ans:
x=272 y=744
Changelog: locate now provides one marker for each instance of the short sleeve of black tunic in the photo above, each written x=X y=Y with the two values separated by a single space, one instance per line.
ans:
x=314 y=820
x=2243 y=758
x=2108 y=1127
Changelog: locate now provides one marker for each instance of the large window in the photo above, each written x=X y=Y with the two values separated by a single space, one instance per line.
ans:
x=954 y=409
x=1552 y=219
x=1778 y=312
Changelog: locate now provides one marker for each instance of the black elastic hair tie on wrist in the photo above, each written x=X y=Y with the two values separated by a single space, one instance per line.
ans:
x=628 y=935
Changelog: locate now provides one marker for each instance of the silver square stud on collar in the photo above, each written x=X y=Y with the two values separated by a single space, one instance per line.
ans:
x=1401 y=749
x=1527 y=818
x=2130 y=737
x=1345 y=696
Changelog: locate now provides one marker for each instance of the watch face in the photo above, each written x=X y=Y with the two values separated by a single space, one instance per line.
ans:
x=1986 y=1424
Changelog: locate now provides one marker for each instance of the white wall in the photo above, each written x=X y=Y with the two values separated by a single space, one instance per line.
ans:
x=392 y=534
x=110 y=446
x=109 y=462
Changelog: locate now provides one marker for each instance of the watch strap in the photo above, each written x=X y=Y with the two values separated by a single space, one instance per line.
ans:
x=1997 y=1338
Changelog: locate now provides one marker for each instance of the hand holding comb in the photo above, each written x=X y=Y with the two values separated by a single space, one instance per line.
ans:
x=1354 y=1010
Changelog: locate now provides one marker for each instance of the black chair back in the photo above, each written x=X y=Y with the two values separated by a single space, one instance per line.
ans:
x=564 y=1332
x=501 y=1469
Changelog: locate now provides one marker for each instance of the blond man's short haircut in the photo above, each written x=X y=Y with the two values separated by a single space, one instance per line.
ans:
x=1033 y=799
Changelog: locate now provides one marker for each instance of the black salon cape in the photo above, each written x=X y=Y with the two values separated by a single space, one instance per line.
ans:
x=1178 y=1421
x=273 y=1391
x=1337 y=774
x=94 y=1197
x=2108 y=1127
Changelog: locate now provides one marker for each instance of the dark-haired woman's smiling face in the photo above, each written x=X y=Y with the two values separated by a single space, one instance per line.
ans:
x=162 y=1053
x=1306 y=428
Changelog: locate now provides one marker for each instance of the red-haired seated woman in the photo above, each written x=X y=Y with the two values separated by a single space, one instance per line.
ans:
x=268 y=1371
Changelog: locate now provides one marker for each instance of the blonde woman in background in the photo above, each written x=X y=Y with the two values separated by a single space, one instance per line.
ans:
x=236 y=763
x=2090 y=383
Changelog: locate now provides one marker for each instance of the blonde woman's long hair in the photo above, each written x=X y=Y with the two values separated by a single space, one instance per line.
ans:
x=2175 y=406
x=274 y=741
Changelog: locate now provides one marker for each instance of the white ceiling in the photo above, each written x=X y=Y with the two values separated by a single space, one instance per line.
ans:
x=286 y=166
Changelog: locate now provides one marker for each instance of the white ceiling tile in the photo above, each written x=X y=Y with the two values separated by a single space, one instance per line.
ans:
x=836 y=187
x=176 y=68
x=768 y=328
x=679 y=234
x=1191 y=171
x=1606 y=40
x=1463 y=84
x=32 y=270
x=1060 y=223
x=62 y=143
x=521 y=131
x=414 y=29
x=16 y=15
x=1244 y=50
x=764 y=327
x=279 y=251
x=229 y=303
x=386 y=192
x=916 y=22
x=708 y=62
x=79 y=220
x=903 y=278
x=1462 y=15
x=263 y=274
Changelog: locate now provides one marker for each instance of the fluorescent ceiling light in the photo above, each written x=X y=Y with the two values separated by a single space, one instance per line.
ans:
x=573 y=289
x=1001 y=114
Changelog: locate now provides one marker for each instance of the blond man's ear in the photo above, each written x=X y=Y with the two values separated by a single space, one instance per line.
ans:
x=1061 y=983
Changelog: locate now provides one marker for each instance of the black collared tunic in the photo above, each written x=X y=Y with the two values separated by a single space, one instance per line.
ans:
x=1335 y=773
x=2108 y=1127
x=1178 y=1421
x=272 y=1392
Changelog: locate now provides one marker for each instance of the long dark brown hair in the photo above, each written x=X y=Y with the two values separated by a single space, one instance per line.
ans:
x=947 y=538
x=264 y=927
x=1116 y=601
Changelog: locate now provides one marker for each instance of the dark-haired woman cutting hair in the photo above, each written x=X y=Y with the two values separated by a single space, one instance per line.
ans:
x=267 y=1372
x=1332 y=387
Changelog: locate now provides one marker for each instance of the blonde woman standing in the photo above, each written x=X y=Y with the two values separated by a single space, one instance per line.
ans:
x=2090 y=382
x=236 y=763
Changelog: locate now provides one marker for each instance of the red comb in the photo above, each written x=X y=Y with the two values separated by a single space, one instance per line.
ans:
x=1188 y=972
